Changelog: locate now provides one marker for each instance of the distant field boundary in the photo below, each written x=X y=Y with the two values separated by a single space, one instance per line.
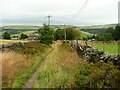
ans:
x=4 y=42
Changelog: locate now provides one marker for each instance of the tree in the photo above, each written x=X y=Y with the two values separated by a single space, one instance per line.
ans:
x=117 y=33
x=46 y=34
x=104 y=37
x=108 y=37
x=100 y=37
x=72 y=33
x=23 y=36
x=59 y=34
x=77 y=34
x=110 y=30
x=6 y=35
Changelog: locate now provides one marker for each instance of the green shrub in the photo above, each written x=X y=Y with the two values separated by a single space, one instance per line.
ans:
x=23 y=36
x=46 y=39
x=46 y=34
x=72 y=33
x=6 y=35
x=33 y=48
x=59 y=34
x=98 y=75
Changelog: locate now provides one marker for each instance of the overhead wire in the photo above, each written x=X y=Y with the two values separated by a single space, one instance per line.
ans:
x=82 y=7
x=77 y=11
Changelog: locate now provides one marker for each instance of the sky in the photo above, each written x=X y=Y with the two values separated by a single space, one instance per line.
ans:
x=68 y=12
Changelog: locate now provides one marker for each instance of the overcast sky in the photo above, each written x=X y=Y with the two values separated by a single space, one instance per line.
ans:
x=33 y=12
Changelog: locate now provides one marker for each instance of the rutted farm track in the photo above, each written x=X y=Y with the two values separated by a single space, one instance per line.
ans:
x=31 y=80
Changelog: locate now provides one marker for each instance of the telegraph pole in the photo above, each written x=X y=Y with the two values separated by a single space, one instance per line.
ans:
x=49 y=19
x=65 y=32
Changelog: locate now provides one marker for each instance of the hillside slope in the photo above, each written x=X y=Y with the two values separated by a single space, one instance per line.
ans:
x=97 y=29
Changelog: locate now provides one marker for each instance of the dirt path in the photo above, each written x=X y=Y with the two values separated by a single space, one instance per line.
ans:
x=31 y=80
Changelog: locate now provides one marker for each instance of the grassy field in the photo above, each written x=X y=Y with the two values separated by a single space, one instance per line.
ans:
x=25 y=32
x=18 y=67
x=16 y=30
x=19 y=33
x=11 y=41
x=97 y=29
x=84 y=35
x=108 y=48
x=29 y=32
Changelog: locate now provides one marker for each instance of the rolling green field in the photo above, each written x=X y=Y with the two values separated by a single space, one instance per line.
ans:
x=25 y=32
x=16 y=30
x=97 y=29
x=84 y=35
x=108 y=48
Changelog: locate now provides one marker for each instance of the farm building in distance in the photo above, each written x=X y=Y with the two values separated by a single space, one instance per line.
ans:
x=33 y=37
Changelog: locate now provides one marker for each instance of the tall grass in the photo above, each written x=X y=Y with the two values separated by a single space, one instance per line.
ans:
x=19 y=66
x=59 y=68
x=12 y=63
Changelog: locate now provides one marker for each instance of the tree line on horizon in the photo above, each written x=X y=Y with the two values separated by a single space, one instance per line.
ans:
x=48 y=34
x=111 y=34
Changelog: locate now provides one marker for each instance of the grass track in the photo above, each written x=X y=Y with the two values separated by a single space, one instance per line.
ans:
x=59 y=68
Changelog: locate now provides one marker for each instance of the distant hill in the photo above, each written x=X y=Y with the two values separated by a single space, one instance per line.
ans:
x=97 y=29
x=17 y=29
x=20 y=27
x=94 y=29
x=62 y=26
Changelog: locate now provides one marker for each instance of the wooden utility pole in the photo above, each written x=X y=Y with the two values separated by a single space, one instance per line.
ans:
x=65 y=32
x=49 y=19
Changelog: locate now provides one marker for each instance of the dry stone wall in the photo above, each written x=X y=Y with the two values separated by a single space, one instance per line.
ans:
x=93 y=55
x=12 y=46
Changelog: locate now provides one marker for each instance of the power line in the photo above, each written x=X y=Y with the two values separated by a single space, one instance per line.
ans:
x=116 y=3
x=77 y=11
x=83 y=6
